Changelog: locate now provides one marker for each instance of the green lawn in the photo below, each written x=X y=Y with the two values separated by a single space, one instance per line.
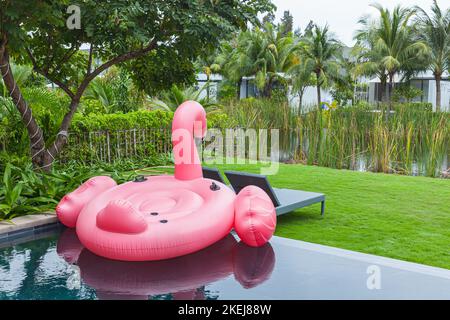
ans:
x=401 y=217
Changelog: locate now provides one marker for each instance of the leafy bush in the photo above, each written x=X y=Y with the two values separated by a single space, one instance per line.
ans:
x=406 y=92
x=49 y=107
x=24 y=191
x=121 y=121
x=20 y=193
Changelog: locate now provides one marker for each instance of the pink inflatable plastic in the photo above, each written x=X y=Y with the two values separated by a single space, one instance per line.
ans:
x=182 y=277
x=162 y=217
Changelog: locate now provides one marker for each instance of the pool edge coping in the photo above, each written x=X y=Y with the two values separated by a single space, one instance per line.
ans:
x=368 y=258
x=24 y=224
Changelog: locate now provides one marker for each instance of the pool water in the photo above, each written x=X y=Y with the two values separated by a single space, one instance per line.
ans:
x=54 y=265
x=58 y=267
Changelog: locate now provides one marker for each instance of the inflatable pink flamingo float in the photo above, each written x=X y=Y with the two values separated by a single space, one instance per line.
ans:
x=138 y=280
x=162 y=217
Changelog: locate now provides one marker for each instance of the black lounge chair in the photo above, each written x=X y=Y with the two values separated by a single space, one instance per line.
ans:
x=284 y=200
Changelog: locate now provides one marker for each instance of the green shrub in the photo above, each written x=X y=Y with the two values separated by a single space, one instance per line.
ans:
x=415 y=106
x=24 y=191
x=49 y=107
x=121 y=121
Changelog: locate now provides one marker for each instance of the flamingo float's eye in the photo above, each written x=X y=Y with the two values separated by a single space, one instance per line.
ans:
x=140 y=178
x=214 y=187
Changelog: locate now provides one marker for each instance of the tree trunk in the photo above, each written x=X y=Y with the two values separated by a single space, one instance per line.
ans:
x=383 y=85
x=268 y=89
x=207 y=87
x=438 y=92
x=37 y=143
x=238 y=91
x=42 y=158
x=319 y=98
x=300 y=100
x=391 y=87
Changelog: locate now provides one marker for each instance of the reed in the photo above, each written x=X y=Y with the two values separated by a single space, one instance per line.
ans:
x=409 y=141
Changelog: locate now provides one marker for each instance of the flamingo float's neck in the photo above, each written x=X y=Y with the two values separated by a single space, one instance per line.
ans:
x=189 y=120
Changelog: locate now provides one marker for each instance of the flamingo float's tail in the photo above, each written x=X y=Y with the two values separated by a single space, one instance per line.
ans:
x=254 y=216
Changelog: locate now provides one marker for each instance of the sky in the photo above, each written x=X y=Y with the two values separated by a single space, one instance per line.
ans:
x=341 y=15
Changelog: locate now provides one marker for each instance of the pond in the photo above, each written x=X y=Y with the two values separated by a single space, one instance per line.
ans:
x=364 y=155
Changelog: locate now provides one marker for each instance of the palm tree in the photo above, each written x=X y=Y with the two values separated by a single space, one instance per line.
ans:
x=233 y=61
x=263 y=53
x=169 y=100
x=369 y=59
x=301 y=77
x=209 y=66
x=396 y=44
x=435 y=32
x=320 y=48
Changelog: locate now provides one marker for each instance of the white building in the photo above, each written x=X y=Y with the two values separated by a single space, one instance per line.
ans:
x=214 y=81
x=309 y=100
x=425 y=82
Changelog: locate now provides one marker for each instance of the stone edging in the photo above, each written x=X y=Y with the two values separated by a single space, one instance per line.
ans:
x=25 y=224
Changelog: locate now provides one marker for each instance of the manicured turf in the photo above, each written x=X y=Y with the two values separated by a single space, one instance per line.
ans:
x=401 y=217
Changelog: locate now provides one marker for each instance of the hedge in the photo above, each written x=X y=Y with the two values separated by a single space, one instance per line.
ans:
x=117 y=136
x=135 y=120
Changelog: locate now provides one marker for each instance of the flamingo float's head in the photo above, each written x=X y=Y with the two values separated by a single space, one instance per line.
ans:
x=189 y=121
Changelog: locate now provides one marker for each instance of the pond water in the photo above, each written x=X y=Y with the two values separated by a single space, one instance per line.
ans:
x=54 y=265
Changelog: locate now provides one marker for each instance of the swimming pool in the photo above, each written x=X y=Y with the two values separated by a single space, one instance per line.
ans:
x=54 y=265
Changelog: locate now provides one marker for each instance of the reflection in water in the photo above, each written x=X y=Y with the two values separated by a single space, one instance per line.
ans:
x=181 y=278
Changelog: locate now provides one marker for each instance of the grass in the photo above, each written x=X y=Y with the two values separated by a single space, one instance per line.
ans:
x=395 y=216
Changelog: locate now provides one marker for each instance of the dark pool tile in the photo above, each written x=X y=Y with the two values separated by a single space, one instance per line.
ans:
x=20 y=233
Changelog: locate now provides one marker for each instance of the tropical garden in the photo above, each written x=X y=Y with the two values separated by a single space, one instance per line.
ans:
x=100 y=99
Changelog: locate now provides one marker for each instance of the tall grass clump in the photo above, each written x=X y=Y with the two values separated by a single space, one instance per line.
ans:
x=407 y=141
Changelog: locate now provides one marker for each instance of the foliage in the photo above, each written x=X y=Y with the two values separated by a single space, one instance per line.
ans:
x=260 y=113
x=301 y=78
x=36 y=33
x=24 y=191
x=415 y=106
x=161 y=70
x=19 y=195
x=22 y=74
x=406 y=92
x=226 y=90
x=113 y=92
x=262 y=52
x=141 y=119
x=319 y=50
x=434 y=31
x=170 y=100
x=287 y=23
x=48 y=106
x=391 y=45
x=346 y=138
